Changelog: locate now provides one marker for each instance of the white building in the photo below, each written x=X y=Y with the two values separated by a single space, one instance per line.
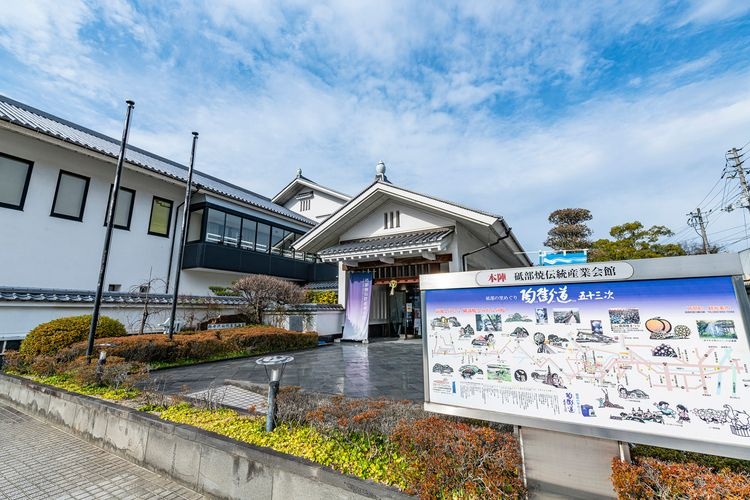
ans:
x=397 y=235
x=55 y=180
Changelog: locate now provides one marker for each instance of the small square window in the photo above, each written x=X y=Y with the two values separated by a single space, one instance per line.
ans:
x=144 y=289
x=161 y=215
x=70 y=196
x=16 y=174
x=124 y=209
x=114 y=287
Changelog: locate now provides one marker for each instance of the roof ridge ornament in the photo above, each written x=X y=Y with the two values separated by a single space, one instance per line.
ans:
x=380 y=172
x=299 y=173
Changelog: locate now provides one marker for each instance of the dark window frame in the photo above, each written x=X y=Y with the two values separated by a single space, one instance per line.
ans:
x=169 y=217
x=83 y=201
x=22 y=202
x=130 y=210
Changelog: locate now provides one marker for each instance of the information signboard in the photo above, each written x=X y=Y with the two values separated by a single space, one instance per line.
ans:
x=654 y=352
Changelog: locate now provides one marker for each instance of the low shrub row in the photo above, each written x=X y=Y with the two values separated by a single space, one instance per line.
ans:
x=392 y=442
x=652 y=478
x=250 y=340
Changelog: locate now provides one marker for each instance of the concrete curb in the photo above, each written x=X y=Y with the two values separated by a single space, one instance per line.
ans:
x=213 y=465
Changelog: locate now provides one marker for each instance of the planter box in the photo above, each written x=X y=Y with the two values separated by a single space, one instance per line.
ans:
x=213 y=465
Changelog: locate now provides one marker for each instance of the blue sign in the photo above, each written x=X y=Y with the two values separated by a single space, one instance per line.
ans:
x=557 y=259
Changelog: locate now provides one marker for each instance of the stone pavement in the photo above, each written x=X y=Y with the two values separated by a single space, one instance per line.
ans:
x=40 y=462
x=391 y=369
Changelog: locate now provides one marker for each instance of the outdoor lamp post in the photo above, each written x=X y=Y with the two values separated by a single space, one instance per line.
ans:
x=274 y=366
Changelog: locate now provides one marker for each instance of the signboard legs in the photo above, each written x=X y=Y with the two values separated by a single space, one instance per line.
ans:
x=561 y=465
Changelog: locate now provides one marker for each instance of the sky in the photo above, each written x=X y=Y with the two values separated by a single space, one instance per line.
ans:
x=513 y=107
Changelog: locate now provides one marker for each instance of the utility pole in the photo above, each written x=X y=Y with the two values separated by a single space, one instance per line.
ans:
x=740 y=173
x=696 y=222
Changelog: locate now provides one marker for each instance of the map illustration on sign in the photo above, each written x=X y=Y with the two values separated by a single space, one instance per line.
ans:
x=667 y=357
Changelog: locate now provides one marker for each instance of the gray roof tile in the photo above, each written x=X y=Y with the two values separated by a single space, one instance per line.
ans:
x=393 y=242
x=25 y=116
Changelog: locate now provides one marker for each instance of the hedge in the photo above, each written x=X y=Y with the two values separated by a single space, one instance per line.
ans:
x=652 y=478
x=53 y=336
x=153 y=348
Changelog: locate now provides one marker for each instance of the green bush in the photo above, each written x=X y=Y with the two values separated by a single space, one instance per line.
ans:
x=49 y=338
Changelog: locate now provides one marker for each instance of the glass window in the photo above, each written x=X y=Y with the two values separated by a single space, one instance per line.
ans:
x=15 y=174
x=286 y=247
x=70 y=196
x=215 y=226
x=232 y=230
x=161 y=215
x=194 y=225
x=247 y=241
x=264 y=233
x=124 y=209
x=277 y=240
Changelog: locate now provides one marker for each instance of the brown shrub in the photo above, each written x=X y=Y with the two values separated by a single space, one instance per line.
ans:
x=651 y=478
x=454 y=459
x=200 y=345
x=115 y=373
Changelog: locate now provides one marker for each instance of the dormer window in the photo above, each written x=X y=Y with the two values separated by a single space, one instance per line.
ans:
x=391 y=220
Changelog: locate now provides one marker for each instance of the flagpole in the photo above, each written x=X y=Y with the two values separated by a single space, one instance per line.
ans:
x=108 y=233
x=183 y=237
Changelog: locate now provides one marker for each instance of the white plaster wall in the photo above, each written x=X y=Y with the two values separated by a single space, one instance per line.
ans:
x=20 y=318
x=411 y=218
x=41 y=251
x=322 y=205
x=197 y=281
x=486 y=259
x=320 y=322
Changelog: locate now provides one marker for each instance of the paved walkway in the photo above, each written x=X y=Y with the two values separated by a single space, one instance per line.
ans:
x=391 y=369
x=40 y=462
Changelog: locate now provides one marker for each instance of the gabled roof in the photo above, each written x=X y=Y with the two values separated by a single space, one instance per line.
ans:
x=302 y=182
x=389 y=245
x=38 y=121
x=326 y=234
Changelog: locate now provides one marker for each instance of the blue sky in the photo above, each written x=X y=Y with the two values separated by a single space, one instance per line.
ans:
x=519 y=108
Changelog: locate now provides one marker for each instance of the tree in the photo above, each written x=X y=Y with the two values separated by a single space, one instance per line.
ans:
x=262 y=291
x=695 y=248
x=632 y=241
x=570 y=231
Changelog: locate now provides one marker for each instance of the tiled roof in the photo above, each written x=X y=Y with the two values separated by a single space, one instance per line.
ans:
x=391 y=243
x=322 y=285
x=33 y=119
x=87 y=296
x=308 y=308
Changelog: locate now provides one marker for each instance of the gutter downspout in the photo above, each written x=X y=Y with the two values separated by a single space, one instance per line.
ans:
x=489 y=245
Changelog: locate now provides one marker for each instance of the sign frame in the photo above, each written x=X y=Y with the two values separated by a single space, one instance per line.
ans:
x=716 y=265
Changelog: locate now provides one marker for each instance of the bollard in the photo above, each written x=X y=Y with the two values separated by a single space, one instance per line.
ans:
x=274 y=366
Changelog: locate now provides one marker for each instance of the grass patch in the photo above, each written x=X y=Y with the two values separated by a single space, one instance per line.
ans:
x=366 y=456
x=67 y=383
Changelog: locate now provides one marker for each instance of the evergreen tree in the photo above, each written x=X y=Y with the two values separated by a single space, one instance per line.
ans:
x=570 y=231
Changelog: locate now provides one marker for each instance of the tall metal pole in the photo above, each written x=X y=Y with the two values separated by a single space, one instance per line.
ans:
x=183 y=236
x=108 y=233
x=741 y=176
x=696 y=222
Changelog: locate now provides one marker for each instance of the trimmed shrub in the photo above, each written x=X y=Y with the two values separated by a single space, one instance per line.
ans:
x=456 y=460
x=651 y=478
x=714 y=462
x=49 y=338
x=195 y=346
